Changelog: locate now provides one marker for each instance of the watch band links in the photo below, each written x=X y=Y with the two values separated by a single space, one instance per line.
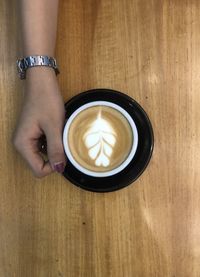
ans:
x=35 y=60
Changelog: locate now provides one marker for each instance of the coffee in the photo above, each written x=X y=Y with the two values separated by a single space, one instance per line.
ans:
x=100 y=138
x=107 y=139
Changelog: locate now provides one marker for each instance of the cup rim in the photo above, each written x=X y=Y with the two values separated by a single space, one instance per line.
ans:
x=130 y=156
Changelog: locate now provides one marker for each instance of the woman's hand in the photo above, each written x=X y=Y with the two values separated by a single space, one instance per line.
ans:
x=43 y=113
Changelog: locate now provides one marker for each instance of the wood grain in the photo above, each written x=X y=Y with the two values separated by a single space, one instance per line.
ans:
x=149 y=50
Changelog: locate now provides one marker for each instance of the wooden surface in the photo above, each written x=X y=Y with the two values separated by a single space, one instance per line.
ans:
x=149 y=49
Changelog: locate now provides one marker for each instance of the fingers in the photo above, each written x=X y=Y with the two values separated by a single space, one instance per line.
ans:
x=30 y=152
x=29 y=148
x=55 y=149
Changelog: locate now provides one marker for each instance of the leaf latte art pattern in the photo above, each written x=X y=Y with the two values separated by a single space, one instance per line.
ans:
x=100 y=139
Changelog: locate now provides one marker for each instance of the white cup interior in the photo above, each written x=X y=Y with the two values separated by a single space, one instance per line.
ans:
x=124 y=163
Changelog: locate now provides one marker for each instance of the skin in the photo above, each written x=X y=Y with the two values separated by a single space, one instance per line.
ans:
x=43 y=106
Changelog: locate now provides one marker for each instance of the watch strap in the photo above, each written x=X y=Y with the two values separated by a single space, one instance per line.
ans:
x=35 y=60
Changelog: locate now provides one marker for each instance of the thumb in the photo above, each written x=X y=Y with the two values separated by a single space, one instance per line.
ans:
x=55 y=149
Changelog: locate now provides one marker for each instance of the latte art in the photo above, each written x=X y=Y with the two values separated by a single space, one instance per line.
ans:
x=100 y=138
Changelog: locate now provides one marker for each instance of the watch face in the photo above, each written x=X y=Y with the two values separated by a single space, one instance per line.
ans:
x=108 y=140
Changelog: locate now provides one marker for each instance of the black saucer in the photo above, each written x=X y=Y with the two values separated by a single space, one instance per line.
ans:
x=144 y=150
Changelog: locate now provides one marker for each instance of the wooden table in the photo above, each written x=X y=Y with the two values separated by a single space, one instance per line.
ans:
x=150 y=50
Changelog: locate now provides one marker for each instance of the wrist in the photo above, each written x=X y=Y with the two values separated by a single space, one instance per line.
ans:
x=41 y=80
x=40 y=72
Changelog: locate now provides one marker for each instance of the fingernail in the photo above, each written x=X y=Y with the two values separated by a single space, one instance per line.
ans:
x=59 y=167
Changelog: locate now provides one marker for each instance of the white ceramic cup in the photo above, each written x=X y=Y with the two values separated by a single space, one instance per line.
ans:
x=125 y=163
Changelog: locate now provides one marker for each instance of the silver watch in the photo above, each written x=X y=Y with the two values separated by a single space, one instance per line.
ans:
x=31 y=61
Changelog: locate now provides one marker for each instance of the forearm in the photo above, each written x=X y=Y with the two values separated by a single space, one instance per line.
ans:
x=39 y=26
